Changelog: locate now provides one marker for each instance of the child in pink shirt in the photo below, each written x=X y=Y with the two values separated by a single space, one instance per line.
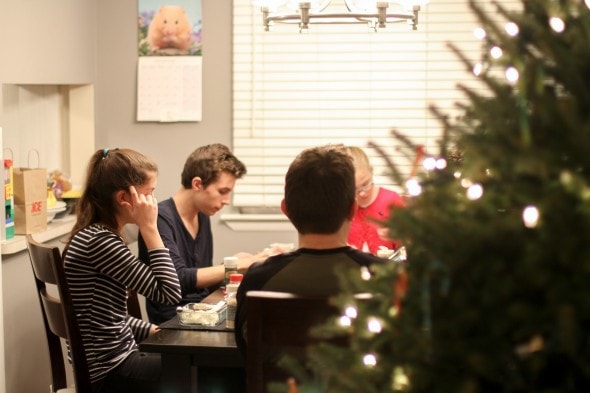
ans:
x=374 y=204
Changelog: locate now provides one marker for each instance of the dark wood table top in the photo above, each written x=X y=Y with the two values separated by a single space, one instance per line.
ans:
x=205 y=347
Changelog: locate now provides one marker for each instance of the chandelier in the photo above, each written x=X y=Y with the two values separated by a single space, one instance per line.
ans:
x=374 y=13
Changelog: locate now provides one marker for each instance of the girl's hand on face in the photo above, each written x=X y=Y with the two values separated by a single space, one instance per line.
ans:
x=143 y=208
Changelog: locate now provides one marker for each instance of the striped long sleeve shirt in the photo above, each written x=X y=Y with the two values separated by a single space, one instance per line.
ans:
x=99 y=268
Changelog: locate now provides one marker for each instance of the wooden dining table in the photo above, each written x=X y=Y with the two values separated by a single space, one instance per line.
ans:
x=184 y=351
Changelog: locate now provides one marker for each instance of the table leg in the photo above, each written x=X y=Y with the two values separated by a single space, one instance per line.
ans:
x=178 y=375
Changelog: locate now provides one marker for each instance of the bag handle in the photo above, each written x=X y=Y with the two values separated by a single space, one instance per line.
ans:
x=29 y=158
x=8 y=149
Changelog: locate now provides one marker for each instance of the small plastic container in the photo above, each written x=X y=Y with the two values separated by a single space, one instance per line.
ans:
x=230 y=298
x=201 y=314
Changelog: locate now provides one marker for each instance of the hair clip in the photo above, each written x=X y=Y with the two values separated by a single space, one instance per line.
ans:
x=105 y=153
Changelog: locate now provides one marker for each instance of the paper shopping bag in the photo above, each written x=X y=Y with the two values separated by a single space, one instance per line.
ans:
x=30 y=200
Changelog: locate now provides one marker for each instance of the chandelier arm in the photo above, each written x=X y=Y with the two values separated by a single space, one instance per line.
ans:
x=306 y=17
x=416 y=11
x=382 y=12
x=297 y=17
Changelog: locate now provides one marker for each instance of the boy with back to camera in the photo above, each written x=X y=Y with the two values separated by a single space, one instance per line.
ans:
x=208 y=178
x=320 y=202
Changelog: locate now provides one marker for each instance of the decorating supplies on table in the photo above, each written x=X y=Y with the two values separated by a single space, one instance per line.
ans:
x=202 y=313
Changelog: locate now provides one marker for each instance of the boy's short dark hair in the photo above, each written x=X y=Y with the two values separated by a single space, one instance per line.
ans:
x=320 y=190
x=208 y=162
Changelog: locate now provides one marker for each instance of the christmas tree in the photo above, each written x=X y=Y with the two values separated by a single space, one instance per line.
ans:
x=495 y=293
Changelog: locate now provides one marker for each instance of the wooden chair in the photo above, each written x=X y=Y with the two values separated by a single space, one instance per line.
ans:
x=58 y=317
x=133 y=307
x=279 y=323
x=130 y=234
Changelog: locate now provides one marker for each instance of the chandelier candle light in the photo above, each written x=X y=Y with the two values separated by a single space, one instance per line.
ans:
x=305 y=12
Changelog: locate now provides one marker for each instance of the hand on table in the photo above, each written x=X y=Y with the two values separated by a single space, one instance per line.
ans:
x=153 y=330
x=245 y=260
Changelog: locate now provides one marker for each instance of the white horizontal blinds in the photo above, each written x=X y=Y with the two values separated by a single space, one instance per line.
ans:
x=341 y=84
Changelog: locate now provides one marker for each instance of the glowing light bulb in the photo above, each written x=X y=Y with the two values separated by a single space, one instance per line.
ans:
x=351 y=312
x=479 y=33
x=511 y=29
x=429 y=163
x=393 y=311
x=374 y=325
x=441 y=163
x=478 y=68
x=557 y=24
x=530 y=216
x=370 y=360
x=345 y=321
x=496 y=52
x=566 y=177
x=466 y=183
x=512 y=75
x=587 y=3
x=475 y=191
x=365 y=273
x=414 y=188
x=457 y=174
x=400 y=379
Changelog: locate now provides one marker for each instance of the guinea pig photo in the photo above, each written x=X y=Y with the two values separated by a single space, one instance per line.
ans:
x=170 y=28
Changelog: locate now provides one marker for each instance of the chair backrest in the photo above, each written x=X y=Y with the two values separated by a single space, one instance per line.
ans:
x=130 y=234
x=279 y=323
x=58 y=316
x=133 y=307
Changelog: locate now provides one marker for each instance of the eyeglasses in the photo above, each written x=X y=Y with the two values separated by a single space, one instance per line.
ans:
x=364 y=189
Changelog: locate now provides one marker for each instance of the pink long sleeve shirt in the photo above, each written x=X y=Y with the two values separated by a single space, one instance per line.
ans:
x=363 y=231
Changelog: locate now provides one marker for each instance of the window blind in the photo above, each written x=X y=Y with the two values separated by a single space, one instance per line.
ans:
x=343 y=84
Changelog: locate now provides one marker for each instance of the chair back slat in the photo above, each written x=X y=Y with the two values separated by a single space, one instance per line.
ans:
x=133 y=307
x=54 y=314
x=279 y=323
x=41 y=258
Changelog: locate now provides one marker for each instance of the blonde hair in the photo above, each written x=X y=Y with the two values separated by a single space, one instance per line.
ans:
x=359 y=158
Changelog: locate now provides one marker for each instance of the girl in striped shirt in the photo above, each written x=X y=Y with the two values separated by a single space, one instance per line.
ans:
x=100 y=268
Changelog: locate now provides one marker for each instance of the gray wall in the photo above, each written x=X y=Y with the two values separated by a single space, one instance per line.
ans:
x=47 y=41
x=43 y=42
x=94 y=42
x=169 y=144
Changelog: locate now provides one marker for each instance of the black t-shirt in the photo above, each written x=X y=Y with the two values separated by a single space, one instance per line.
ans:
x=305 y=272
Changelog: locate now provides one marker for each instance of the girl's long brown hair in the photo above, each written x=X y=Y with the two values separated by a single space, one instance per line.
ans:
x=109 y=171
